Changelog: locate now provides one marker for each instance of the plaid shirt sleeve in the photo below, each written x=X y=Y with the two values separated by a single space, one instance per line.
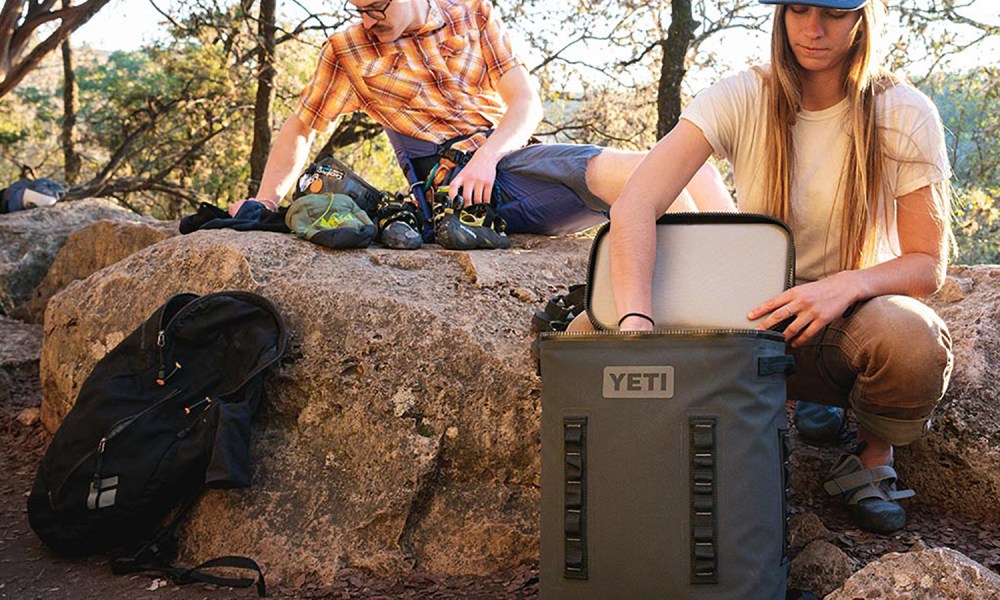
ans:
x=328 y=94
x=496 y=46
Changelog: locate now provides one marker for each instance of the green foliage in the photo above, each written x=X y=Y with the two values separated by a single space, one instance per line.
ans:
x=977 y=226
x=969 y=104
x=29 y=125
x=12 y=130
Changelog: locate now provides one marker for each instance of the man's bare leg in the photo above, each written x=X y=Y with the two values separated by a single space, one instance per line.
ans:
x=608 y=171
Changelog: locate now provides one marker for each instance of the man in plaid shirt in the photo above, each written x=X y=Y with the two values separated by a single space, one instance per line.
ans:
x=441 y=74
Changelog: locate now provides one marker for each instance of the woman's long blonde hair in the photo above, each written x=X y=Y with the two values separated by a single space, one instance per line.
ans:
x=865 y=182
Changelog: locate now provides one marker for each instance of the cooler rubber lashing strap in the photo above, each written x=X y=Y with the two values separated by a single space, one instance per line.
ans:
x=702 y=466
x=575 y=497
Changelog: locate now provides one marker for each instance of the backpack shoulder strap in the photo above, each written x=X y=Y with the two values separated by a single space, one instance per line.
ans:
x=156 y=556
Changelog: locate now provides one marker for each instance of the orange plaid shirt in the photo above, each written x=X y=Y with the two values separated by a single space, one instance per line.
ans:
x=436 y=84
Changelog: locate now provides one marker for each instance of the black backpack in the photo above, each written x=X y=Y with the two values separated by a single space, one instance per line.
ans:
x=12 y=198
x=164 y=414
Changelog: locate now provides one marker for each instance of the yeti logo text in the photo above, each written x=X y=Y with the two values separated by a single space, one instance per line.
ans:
x=638 y=382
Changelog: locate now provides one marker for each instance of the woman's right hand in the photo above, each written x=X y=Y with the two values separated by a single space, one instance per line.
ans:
x=650 y=190
x=635 y=323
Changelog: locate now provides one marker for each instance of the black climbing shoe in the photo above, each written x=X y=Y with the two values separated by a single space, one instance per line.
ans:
x=399 y=223
x=472 y=227
x=561 y=310
x=871 y=494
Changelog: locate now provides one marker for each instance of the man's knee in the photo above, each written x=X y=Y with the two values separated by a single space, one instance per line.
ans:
x=708 y=172
x=709 y=191
x=608 y=171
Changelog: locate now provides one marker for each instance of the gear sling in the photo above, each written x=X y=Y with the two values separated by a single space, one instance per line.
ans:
x=428 y=172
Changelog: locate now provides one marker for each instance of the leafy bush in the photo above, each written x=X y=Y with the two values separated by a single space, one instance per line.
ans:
x=977 y=226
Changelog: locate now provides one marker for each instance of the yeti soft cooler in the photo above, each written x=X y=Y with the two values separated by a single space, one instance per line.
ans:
x=664 y=454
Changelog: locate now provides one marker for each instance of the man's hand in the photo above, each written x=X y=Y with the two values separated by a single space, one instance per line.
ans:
x=268 y=204
x=476 y=179
x=813 y=305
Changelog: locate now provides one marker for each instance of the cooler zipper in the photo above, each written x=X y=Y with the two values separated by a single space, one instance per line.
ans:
x=758 y=333
x=704 y=333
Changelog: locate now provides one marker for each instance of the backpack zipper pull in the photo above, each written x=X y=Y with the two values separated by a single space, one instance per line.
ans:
x=100 y=458
x=160 y=340
x=189 y=409
x=177 y=367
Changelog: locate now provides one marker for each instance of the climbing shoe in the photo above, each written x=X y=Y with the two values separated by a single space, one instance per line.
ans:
x=870 y=494
x=399 y=223
x=560 y=310
x=330 y=176
x=819 y=423
x=475 y=227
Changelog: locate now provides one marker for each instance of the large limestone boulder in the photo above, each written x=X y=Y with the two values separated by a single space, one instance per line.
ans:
x=956 y=466
x=402 y=428
x=30 y=239
x=924 y=575
x=89 y=250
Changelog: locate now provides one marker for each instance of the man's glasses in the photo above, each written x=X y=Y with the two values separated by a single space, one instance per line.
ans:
x=375 y=14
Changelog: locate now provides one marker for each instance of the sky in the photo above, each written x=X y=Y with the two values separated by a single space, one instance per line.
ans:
x=127 y=24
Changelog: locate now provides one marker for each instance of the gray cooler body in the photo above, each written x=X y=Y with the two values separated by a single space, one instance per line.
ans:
x=664 y=465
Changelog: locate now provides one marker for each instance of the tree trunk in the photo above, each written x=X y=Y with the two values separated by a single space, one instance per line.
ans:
x=674 y=66
x=265 y=95
x=71 y=159
x=20 y=21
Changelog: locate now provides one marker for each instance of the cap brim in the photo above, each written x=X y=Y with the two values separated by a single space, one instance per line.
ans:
x=837 y=4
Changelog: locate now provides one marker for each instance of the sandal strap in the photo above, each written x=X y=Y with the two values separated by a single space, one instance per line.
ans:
x=851 y=481
x=883 y=492
x=866 y=483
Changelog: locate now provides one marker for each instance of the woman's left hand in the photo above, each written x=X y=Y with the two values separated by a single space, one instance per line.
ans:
x=814 y=305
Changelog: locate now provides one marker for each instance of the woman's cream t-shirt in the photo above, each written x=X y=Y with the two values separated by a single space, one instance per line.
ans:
x=731 y=114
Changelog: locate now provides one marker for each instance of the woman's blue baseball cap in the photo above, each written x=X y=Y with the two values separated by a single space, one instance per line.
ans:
x=838 y=4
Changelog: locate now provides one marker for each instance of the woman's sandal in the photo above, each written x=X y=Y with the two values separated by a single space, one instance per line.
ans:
x=871 y=494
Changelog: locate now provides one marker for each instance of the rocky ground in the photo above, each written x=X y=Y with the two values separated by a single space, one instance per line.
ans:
x=926 y=527
x=29 y=571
